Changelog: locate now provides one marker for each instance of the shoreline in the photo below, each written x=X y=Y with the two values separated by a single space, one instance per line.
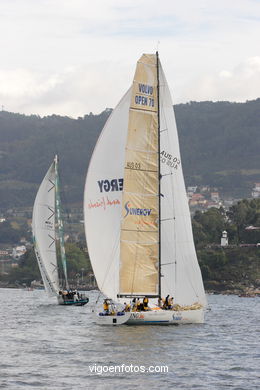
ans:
x=241 y=289
x=212 y=288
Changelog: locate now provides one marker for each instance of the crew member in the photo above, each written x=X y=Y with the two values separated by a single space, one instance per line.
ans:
x=106 y=306
x=160 y=303
x=127 y=307
x=145 y=303
x=138 y=305
x=166 y=303
x=170 y=303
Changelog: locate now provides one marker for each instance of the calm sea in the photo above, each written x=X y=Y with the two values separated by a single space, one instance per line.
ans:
x=46 y=346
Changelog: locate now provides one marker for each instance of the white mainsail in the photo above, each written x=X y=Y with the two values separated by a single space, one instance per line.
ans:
x=43 y=227
x=125 y=253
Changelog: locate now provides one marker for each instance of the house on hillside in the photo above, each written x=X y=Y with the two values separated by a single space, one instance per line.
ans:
x=18 y=251
x=256 y=191
x=215 y=196
x=197 y=200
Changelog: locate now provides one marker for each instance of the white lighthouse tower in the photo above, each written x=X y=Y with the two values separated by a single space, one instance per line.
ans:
x=224 y=239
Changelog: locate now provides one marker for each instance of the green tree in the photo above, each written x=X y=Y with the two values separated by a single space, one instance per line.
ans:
x=208 y=226
x=77 y=259
x=8 y=234
x=243 y=214
x=28 y=270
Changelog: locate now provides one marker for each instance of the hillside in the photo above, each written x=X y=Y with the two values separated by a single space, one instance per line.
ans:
x=234 y=268
x=28 y=145
x=219 y=143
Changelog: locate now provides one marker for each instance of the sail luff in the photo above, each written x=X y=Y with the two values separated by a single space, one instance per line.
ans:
x=60 y=222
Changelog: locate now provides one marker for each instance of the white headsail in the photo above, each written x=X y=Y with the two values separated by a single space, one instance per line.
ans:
x=43 y=226
x=103 y=199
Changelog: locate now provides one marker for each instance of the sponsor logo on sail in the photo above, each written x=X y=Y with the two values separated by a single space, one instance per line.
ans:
x=136 y=211
x=110 y=185
x=144 y=89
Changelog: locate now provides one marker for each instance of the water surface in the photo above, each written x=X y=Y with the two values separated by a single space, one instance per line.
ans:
x=46 y=346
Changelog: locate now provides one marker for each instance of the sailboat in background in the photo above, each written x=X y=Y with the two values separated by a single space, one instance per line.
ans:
x=137 y=219
x=46 y=216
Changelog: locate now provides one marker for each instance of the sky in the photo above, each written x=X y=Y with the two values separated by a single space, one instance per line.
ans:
x=73 y=57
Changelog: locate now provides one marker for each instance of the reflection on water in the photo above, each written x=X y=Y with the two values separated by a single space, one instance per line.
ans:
x=47 y=346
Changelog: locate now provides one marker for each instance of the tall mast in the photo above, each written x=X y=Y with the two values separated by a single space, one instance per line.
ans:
x=159 y=174
x=60 y=223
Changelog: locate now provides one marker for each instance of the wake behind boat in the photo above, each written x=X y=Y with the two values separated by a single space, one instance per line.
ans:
x=137 y=219
x=46 y=216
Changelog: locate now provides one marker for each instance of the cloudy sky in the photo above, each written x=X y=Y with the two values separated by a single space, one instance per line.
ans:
x=72 y=57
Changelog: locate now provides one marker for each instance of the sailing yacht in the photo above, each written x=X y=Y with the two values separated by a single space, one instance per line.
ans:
x=137 y=219
x=46 y=217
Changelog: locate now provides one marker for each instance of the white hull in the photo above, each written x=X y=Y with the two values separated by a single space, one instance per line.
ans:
x=112 y=319
x=166 y=317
